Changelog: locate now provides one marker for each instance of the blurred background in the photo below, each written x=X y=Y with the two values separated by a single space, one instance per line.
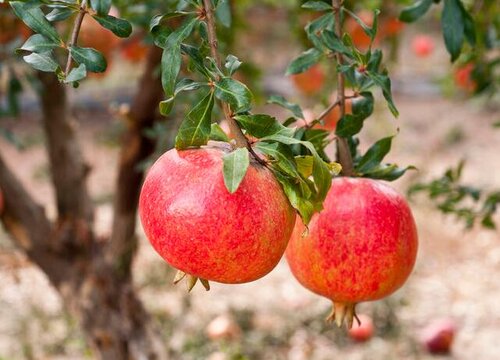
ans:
x=448 y=113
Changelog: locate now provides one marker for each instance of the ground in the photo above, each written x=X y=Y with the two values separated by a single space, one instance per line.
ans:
x=455 y=275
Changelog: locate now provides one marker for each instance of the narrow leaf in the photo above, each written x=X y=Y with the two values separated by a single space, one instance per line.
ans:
x=235 y=167
x=195 y=129
x=119 y=27
x=92 y=59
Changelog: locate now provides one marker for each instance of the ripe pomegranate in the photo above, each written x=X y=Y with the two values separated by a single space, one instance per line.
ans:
x=310 y=81
x=391 y=27
x=200 y=228
x=134 y=50
x=363 y=330
x=463 y=78
x=422 y=45
x=438 y=336
x=362 y=246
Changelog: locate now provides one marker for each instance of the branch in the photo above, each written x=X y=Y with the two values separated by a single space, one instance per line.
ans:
x=68 y=170
x=240 y=138
x=29 y=227
x=344 y=154
x=74 y=35
x=135 y=149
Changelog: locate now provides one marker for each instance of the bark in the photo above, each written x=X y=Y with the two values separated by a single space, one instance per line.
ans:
x=135 y=149
x=93 y=289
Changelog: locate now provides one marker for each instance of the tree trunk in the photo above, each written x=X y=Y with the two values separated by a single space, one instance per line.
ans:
x=94 y=289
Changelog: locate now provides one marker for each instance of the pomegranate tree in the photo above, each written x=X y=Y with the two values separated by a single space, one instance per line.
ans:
x=200 y=228
x=361 y=247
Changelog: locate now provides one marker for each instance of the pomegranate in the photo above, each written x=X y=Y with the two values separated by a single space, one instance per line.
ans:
x=310 y=81
x=134 y=50
x=200 y=228
x=362 y=246
x=464 y=79
x=362 y=330
x=438 y=336
x=422 y=45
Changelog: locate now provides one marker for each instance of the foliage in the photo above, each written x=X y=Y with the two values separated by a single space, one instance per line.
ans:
x=468 y=203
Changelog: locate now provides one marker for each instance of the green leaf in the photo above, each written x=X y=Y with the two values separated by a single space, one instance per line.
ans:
x=43 y=62
x=195 y=129
x=156 y=21
x=262 y=125
x=321 y=172
x=351 y=124
x=452 y=24
x=92 y=59
x=232 y=64
x=235 y=167
x=317 y=6
x=305 y=165
x=415 y=11
x=176 y=37
x=171 y=62
x=35 y=19
x=76 y=74
x=166 y=106
x=119 y=27
x=223 y=13
x=102 y=7
x=304 y=61
x=469 y=25
x=388 y=172
x=187 y=85
x=39 y=44
x=235 y=93
x=60 y=14
x=374 y=155
x=293 y=108
x=384 y=82
x=217 y=134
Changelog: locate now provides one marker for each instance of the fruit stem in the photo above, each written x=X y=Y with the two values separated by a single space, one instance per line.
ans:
x=343 y=312
x=74 y=35
x=343 y=151
x=240 y=138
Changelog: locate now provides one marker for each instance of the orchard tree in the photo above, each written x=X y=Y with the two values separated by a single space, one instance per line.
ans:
x=280 y=167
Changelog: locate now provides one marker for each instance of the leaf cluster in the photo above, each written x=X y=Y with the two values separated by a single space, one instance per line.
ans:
x=40 y=49
x=305 y=178
x=468 y=203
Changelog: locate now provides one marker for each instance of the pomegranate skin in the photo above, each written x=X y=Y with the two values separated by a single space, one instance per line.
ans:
x=362 y=246
x=198 y=227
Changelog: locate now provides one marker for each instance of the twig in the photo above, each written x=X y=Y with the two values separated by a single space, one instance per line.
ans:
x=76 y=31
x=240 y=138
x=344 y=154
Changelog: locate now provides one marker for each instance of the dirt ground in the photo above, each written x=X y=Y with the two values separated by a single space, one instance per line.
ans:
x=456 y=275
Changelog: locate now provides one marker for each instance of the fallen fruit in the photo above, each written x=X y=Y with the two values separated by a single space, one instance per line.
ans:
x=362 y=246
x=310 y=81
x=438 y=336
x=223 y=327
x=422 y=45
x=363 y=330
x=201 y=229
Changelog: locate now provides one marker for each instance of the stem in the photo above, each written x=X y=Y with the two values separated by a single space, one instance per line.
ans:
x=76 y=31
x=240 y=138
x=344 y=154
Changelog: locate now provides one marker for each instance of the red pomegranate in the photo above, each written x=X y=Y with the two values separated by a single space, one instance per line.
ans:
x=422 y=45
x=200 y=228
x=310 y=81
x=362 y=246
x=438 y=336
